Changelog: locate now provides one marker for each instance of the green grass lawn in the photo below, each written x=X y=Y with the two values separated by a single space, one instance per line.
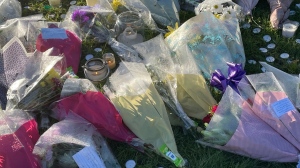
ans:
x=199 y=156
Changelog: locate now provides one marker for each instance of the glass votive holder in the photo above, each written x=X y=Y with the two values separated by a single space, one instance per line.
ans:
x=289 y=29
x=109 y=58
x=129 y=28
x=96 y=70
x=55 y=3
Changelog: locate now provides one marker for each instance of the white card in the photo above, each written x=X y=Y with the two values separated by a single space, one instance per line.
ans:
x=282 y=106
x=54 y=33
x=88 y=158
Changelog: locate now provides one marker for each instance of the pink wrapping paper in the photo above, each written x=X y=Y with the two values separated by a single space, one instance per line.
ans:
x=287 y=125
x=98 y=110
x=256 y=139
x=16 y=149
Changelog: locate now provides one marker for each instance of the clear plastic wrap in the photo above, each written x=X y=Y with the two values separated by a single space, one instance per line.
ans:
x=157 y=58
x=38 y=85
x=10 y=9
x=131 y=90
x=72 y=86
x=274 y=107
x=209 y=42
x=18 y=134
x=13 y=60
x=20 y=28
x=65 y=141
x=236 y=128
x=164 y=13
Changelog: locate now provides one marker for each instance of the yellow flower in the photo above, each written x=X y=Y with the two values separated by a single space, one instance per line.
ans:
x=116 y=3
x=51 y=74
x=171 y=29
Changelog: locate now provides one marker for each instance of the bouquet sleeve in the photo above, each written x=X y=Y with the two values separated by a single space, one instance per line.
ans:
x=18 y=134
x=65 y=141
x=273 y=106
x=142 y=109
x=236 y=128
x=38 y=85
x=157 y=58
x=209 y=42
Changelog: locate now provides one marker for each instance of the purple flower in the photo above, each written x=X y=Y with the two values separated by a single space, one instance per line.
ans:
x=81 y=16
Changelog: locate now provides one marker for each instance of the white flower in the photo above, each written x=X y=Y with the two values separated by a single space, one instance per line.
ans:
x=217 y=8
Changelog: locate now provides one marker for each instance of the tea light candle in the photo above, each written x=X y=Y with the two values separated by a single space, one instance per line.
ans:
x=55 y=3
x=110 y=60
x=289 y=30
x=91 y=2
x=129 y=37
x=95 y=69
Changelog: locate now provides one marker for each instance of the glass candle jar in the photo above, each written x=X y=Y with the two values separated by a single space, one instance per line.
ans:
x=129 y=28
x=109 y=58
x=55 y=3
x=96 y=70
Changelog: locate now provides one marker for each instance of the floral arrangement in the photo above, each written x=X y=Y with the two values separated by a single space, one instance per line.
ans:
x=222 y=10
x=208 y=117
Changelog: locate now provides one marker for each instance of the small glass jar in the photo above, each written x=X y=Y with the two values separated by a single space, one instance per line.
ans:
x=96 y=70
x=129 y=28
x=109 y=58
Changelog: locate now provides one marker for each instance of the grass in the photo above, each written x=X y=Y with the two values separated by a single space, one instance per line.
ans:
x=199 y=156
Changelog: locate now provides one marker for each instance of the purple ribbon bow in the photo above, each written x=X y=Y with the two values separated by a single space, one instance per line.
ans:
x=235 y=75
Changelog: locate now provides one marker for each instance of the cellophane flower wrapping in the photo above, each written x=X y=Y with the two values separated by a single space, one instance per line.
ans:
x=235 y=128
x=18 y=134
x=39 y=84
x=10 y=9
x=274 y=107
x=73 y=137
x=192 y=90
x=164 y=13
x=209 y=42
x=157 y=58
x=19 y=27
x=94 y=107
x=289 y=83
x=131 y=90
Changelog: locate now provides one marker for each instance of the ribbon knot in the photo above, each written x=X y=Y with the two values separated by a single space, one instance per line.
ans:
x=235 y=75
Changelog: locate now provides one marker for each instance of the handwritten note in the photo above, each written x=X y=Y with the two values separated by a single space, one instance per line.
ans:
x=282 y=106
x=88 y=158
x=54 y=33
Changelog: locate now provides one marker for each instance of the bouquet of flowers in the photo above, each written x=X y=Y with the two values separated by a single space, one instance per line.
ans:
x=142 y=109
x=94 y=107
x=236 y=128
x=157 y=58
x=39 y=85
x=18 y=134
x=222 y=9
x=74 y=142
x=208 y=42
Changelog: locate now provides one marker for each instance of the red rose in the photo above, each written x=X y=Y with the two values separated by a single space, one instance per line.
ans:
x=207 y=118
x=214 y=108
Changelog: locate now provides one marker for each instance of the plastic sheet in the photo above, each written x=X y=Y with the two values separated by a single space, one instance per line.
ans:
x=142 y=108
x=18 y=134
x=10 y=9
x=58 y=146
x=157 y=58
x=38 y=85
x=208 y=42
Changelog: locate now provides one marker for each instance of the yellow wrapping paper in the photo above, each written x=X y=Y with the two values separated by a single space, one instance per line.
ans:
x=146 y=116
x=194 y=95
